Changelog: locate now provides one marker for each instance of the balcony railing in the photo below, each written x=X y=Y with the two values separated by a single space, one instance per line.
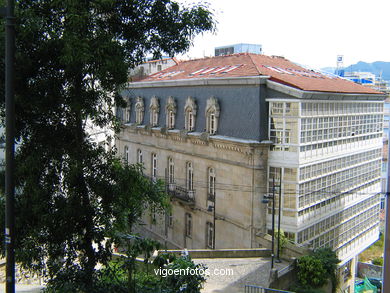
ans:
x=181 y=193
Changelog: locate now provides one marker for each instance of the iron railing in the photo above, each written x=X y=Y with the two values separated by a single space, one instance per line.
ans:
x=258 y=289
x=181 y=193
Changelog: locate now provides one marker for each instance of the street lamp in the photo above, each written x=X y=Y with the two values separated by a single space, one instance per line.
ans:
x=265 y=200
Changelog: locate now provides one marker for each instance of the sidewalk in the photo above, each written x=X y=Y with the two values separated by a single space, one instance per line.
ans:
x=23 y=288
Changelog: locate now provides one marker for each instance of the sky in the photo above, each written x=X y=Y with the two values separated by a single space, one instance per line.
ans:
x=308 y=32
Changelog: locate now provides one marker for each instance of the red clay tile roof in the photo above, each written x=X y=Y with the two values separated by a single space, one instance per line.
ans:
x=278 y=69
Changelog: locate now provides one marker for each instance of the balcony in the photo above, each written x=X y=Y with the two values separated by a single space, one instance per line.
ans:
x=181 y=193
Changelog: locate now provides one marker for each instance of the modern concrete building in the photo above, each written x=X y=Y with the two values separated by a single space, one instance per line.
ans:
x=238 y=48
x=220 y=130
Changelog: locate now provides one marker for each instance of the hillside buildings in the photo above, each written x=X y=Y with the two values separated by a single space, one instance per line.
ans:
x=151 y=66
x=221 y=130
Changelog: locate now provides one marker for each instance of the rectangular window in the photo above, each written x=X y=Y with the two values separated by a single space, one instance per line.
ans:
x=212 y=123
x=277 y=108
x=126 y=154
x=154 y=166
x=188 y=225
x=210 y=235
x=190 y=176
x=171 y=171
x=139 y=157
x=211 y=184
x=170 y=219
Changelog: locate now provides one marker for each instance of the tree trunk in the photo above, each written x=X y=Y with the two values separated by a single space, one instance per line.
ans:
x=87 y=218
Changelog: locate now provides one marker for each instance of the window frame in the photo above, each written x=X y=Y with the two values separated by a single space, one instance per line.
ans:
x=171 y=170
x=126 y=154
x=210 y=235
x=211 y=183
x=154 y=166
x=189 y=176
x=188 y=225
x=139 y=156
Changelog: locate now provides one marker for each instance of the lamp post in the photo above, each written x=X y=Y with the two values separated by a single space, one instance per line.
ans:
x=8 y=13
x=279 y=215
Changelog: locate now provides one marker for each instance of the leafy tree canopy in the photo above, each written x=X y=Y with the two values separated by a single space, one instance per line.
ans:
x=72 y=58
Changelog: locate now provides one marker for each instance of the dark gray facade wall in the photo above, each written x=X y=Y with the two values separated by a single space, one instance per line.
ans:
x=243 y=110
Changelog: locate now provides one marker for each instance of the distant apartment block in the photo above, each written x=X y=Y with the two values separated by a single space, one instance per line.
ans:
x=150 y=67
x=238 y=48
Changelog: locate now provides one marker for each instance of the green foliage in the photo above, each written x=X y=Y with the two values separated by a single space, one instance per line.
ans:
x=283 y=239
x=72 y=60
x=378 y=261
x=311 y=271
x=185 y=282
x=374 y=251
x=329 y=260
x=115 y=276
x=316 y=269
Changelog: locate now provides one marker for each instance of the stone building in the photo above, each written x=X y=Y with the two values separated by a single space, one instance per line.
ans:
x=222 y=130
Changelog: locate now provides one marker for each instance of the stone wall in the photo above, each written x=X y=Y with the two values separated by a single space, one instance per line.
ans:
x=368 y=270
x=240 y=171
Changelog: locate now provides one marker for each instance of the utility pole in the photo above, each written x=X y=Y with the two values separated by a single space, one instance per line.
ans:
x=273 y=224
x=386 y=258
x=9 y=145
x=279 y=215
x=215 y=199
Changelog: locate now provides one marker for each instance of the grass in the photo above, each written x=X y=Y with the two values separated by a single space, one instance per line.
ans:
x=374 y=251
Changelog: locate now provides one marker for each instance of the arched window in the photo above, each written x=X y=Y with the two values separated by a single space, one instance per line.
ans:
x=126 y=154
x=154 y=111
x=189 y=176
x=190 y=114
x=139 y=110
x=170 y=113
x=212 y=115
x=154 y=166
x=211 y=184
x=171 y=171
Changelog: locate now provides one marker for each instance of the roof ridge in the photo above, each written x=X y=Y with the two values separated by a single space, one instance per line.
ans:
x=254 y=64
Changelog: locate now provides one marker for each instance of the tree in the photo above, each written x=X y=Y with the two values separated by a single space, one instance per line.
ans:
x=72 y=59
x=311 y=271
x=316 y=269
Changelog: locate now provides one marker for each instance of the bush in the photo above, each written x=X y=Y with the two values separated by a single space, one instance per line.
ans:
x=115 y=277
x=315 y=270
x=311 y=272
x=378 y=261
x=190 y=283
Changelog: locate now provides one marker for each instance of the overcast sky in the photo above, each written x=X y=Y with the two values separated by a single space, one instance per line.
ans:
x=308 y=32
